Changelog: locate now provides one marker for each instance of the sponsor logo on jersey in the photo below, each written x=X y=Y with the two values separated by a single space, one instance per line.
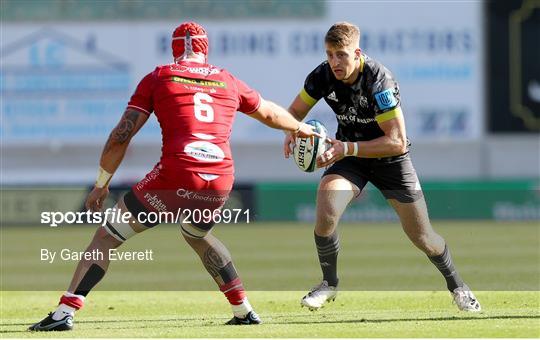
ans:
x=155 y=202
x=354 y=119
x=152 y=175
x=192 y=195
x=200 y=82
x=204 y=151
x=332 y=96
x=386 y=99
x=206 y=71
x=363 y=102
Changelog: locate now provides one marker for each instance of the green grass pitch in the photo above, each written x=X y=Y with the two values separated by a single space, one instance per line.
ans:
x=388 y=288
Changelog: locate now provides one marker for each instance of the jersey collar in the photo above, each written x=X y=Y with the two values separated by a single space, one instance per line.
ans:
x=357 y=84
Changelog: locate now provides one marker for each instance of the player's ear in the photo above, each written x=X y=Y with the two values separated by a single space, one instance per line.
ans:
x=357 y=53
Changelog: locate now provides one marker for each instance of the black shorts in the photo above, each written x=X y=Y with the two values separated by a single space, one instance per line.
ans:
x=394 y=176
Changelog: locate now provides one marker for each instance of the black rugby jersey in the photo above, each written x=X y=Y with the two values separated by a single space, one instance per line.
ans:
x=374 y=97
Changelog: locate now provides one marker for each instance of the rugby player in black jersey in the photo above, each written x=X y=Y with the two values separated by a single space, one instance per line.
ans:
x=371 y=145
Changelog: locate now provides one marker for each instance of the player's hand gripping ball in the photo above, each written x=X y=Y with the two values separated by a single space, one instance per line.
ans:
x=307 y=150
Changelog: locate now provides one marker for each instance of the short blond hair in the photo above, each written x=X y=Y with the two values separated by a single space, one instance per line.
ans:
x=342 y=34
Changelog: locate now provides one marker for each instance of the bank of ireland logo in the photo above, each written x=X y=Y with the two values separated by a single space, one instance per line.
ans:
x=386 y=99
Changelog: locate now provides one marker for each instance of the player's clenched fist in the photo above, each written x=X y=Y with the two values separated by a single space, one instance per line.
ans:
x=333 y=154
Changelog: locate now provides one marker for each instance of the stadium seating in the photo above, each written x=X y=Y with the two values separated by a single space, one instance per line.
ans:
x=50 y=10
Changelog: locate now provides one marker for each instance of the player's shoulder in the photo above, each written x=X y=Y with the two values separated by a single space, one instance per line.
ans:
x=375 y=70
x=161 y=68
x=321 y=75
x=231 y=79
x=226 y=74
x=322 y=70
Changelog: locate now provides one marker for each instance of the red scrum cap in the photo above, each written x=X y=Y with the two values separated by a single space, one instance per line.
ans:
x=189 y=37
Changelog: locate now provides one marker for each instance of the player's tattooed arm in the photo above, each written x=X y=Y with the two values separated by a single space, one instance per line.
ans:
x=127 y=127
x=118 y=141
x=275 y=116
x=124 y=130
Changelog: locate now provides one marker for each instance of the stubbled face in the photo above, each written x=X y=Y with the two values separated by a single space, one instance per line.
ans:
x=343 y=61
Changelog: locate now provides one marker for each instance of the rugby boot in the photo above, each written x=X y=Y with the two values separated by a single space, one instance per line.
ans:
x=465 y=299
x=48 y=324
x=319 y=295
x=250 y=319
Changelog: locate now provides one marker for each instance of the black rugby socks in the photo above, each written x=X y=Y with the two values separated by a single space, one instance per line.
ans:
x=94 y=274
x=445 y=265
x=327 y=249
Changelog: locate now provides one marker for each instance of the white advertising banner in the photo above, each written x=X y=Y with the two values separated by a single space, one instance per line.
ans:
x=70 y=82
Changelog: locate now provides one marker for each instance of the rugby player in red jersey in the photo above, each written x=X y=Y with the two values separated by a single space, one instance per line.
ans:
x=195 y=104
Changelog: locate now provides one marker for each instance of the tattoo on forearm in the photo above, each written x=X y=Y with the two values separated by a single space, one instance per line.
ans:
x=213 y=261
x=122 y=132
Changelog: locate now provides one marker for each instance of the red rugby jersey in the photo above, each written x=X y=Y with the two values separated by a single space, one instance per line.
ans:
x=195 y=105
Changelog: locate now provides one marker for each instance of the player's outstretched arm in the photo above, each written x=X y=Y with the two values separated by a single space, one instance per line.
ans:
x=277 y=117
x=113 y=153
x=299 y=109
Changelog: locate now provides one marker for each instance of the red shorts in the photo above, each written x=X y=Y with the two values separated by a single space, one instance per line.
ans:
x=176 y=190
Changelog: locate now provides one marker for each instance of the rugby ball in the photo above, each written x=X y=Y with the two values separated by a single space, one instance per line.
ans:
x=307 y=150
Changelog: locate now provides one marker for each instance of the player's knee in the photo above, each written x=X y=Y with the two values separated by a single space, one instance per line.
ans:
x=326 y=223
x=103 y=240
x=425 y=242
x=195 y=232
x=118 y=229
x=421 y=240
x=328 y=214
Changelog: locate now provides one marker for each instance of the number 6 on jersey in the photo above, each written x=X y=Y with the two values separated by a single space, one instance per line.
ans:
x=203 y=111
